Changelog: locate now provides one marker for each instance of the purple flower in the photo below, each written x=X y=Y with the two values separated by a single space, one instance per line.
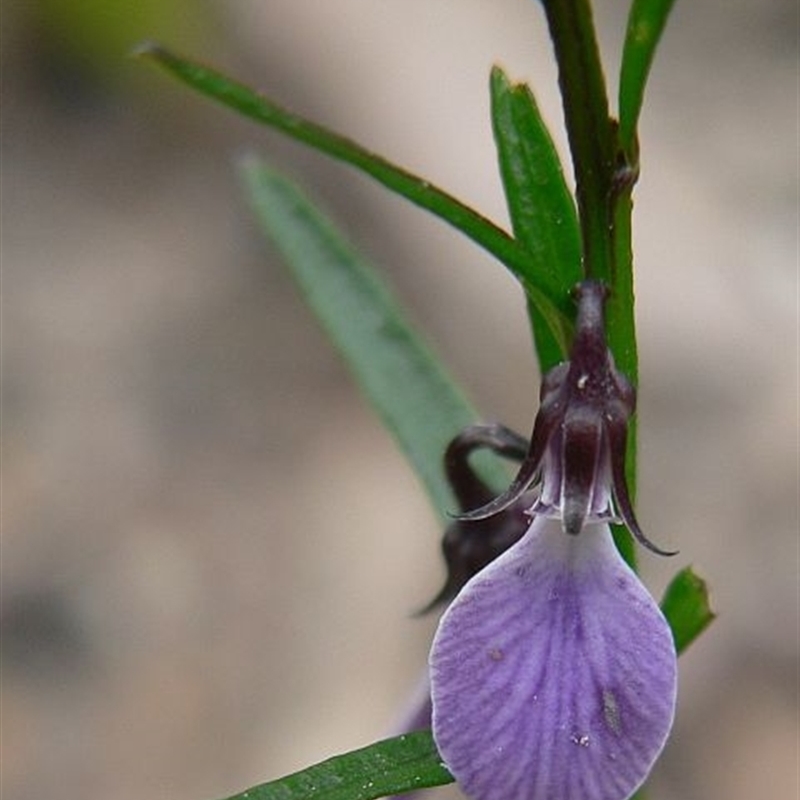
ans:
x=553 y=672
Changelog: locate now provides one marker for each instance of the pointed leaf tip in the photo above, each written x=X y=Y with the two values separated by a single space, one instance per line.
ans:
x=542 y=213
x=145 y=48
x=687 y=606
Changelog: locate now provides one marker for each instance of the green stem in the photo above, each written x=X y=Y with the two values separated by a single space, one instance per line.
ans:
x=603 y=189
x=620 y=322
x=589 y=127
x=621 y=331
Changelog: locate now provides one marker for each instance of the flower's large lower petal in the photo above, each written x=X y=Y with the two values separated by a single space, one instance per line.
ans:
x=553 y=673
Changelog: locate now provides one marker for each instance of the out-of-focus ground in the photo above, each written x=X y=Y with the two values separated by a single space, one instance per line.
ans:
x=211 y=550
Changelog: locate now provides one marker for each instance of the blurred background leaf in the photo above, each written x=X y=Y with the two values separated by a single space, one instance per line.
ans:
x=409 y=389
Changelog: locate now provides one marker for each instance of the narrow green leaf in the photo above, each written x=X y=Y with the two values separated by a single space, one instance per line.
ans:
x=542 y=211
x=414 y=396
x=249 y=103
x=646 y=23
x=390 y=767
x=687 y=608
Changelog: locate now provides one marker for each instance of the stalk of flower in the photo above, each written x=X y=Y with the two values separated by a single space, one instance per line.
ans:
x=553 y=672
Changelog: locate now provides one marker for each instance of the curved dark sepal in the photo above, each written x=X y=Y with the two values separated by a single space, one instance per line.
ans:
x=618 y=434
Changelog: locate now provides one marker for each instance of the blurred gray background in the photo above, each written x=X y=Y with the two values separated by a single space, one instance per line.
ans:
x=211 y=550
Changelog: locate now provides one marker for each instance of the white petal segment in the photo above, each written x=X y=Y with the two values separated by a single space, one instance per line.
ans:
x=553 y=673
